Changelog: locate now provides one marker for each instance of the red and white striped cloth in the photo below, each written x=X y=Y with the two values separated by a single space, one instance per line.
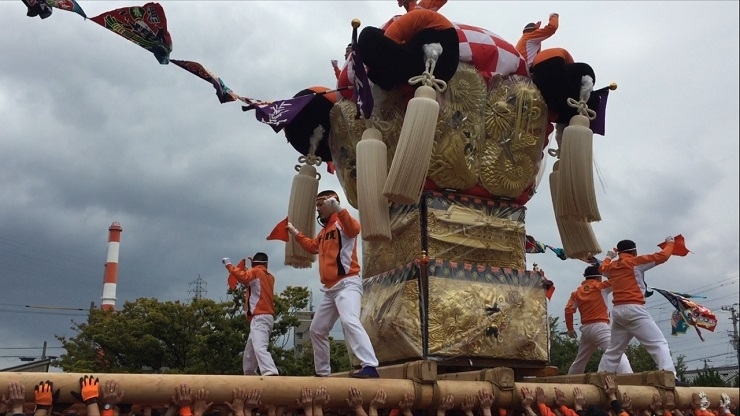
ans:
x=487 y=51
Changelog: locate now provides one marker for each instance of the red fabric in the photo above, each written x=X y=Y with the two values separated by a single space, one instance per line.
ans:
x=481 y=192
x=679 y=248
x=488 y=52
x=280 y=232
x=232 y=280
x=550 y=289
x=346 y=79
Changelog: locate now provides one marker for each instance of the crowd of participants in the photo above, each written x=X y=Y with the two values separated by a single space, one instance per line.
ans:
x=109 y=399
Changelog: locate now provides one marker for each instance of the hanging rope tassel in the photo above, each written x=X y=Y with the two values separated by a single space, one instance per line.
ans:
x=302 y=205
x=577 y=196
x=371 y=161
x=411 y=161
x=577 y=238
x=372 y=170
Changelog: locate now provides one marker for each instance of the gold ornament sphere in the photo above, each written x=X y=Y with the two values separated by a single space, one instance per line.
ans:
x=355 y=23
x=613 y=86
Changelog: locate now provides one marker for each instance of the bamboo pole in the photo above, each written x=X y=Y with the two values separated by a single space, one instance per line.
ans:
x=157 y=389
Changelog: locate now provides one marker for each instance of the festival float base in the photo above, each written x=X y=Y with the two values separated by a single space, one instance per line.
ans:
x=432 y=292
x=418 y=378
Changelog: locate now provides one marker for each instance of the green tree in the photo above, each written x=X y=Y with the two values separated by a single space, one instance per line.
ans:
x=302 y=364
x=708 y=378
x=563 y=349
x=200 y=337
x=640 y=358
x=197 y=337
x=287 y=303
x=681 y=367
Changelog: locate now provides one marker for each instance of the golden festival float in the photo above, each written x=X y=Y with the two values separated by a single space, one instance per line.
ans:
x=441 y=170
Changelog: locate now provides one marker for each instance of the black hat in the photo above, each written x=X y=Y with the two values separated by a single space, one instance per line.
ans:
x=260 y=257
x=626 y=245
x=591 y=272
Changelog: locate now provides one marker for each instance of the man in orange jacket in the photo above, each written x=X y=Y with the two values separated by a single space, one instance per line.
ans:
x=630 y=318
x=339 y=270
x=260 y=310
x=590 y=300
x=530 y=44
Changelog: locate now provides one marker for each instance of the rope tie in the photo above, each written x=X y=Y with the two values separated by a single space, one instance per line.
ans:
x=582 y=108
x=309 y=159
x=427 y=79
x=380 y=124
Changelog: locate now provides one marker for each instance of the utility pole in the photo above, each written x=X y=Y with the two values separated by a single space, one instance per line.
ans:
x=199 y=291
x=735 y=338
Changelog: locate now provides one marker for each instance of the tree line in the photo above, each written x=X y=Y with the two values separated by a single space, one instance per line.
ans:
x=204 y=336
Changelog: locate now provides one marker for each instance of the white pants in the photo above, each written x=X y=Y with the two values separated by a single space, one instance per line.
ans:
x=255 y=350
x=596 y=335
x=634 y=321
x=343 y=301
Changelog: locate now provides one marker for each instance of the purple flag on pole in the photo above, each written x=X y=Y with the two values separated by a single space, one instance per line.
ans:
x=279 y=114
x=598 y=125
x=363 y=96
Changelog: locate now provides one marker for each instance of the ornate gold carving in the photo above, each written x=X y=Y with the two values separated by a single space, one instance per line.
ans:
x=487 y=320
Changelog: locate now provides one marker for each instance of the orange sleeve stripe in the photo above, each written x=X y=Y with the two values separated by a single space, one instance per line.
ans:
x=411 y=23
x=308 y=244
x=545 y=410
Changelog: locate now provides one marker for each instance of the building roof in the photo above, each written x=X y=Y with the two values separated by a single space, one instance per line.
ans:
x=38 y=366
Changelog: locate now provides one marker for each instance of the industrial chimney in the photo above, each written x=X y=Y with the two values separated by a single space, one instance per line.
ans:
x=111 y=268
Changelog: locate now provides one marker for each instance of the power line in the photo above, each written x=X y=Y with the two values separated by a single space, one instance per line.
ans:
x=704 y=358
x=31 y=348
x=59 y=308
x=41 y=313
x=735 y=340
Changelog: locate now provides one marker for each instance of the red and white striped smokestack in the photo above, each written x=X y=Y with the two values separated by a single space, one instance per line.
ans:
x=111 y=267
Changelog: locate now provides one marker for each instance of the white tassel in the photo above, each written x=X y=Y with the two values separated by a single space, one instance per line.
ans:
x=577 y=238
x=302 y=214
x=577 y=195
x=302 y=205
x=372 y=169
x=411 y=160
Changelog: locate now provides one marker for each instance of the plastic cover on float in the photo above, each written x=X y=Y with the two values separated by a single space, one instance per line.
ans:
x=473 y=311
x=452 y=226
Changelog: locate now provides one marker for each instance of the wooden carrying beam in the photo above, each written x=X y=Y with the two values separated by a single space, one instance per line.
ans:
x=423 y=371
x=158 y=388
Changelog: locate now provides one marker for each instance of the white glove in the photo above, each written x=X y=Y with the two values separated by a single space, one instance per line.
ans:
x=334 y=204
x=292 y=230
x=669 y=239
x=703 y=401
x=226 y=261
x=724 y=401
x=611 y=254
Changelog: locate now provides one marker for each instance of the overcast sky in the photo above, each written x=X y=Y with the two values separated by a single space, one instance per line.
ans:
x=93 y=130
